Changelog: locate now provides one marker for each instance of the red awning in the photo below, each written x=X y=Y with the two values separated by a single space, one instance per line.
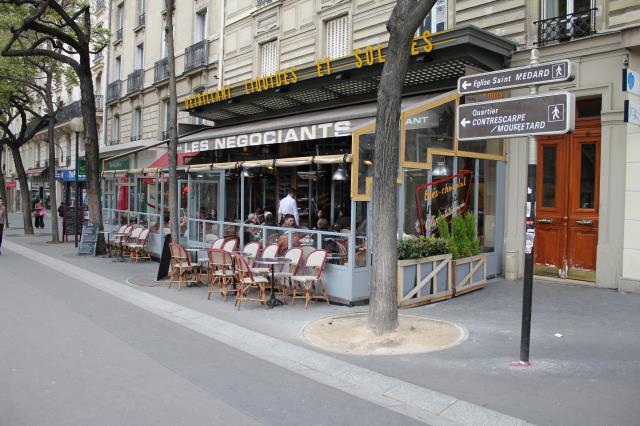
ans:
x=163 y=162
x=36 y=171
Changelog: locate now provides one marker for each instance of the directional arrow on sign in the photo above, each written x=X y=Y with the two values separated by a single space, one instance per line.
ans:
x=465 y=84
x=548 y=114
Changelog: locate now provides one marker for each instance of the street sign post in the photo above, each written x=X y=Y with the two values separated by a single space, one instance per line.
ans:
x=632 y=112
x=630 y=81
x=549 y=114
x=550 y=72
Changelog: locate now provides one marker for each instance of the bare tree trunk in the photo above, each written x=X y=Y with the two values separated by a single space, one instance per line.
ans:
x=25 y=199
x=383 y=299
x=173 y=125
x=55 y=237
x=3 y=190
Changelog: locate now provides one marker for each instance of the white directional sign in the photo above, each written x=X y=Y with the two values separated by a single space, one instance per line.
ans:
x=549 y=72
x=549 y=114
x=630 y=81
x=632 y=112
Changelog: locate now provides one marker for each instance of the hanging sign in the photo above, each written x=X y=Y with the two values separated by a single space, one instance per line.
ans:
x=630 y=81
x=549 y=114
x=10 y=184
x=632 y=112
x=549 y=72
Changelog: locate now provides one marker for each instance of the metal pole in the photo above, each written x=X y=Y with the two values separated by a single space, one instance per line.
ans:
x=529 y=254
x=77 y=190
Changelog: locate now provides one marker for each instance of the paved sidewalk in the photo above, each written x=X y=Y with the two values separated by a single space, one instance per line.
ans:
x=587 y=376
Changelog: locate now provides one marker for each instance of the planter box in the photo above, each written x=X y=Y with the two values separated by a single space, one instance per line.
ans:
x=426 y=280
x=469 y=274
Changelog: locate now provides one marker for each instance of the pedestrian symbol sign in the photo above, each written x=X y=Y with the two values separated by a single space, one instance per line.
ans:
x=556 y=112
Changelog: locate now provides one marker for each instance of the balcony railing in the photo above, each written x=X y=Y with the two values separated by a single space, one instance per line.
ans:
x=141 y=19
x=567 y=27
x=135 y=81
x=196 y=55
x=97 y=57
x=99 y=102
x=161 y=70
x=166 y=135
x=119 y=34
x=69 y=112
x=113 y=91
x=114 y=142
x=134 y=138
x=261 y=3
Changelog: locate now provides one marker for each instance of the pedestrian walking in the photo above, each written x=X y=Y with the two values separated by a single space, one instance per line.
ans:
x=39 y=212
x=2 y=213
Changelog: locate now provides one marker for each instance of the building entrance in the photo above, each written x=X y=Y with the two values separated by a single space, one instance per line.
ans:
x=568 y=202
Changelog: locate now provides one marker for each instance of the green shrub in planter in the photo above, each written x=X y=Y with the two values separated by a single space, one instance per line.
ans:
x=463 y=239
x=416 y=248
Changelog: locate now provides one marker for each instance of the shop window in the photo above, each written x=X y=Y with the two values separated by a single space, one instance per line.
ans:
x=491 y=147
x=137 y=124
x=429 y=129
x=362 y=163
x=269 y=58
x=117 y=69
x=338 y=37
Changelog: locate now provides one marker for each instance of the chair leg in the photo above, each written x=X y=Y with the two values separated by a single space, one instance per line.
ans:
x=307 y=296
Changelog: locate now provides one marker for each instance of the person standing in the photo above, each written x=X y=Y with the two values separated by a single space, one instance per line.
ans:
x=288 y=205
x=39 y=213
x=2 y=213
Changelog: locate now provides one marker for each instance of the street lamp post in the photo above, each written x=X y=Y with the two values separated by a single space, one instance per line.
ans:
x=77 y=190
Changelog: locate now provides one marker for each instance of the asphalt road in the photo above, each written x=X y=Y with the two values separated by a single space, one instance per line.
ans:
x=73 y=355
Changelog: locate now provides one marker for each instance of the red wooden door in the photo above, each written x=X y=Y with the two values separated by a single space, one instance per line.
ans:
x=567 y=202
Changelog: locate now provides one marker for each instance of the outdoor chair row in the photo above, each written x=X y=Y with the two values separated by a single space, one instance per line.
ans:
x=132 y=241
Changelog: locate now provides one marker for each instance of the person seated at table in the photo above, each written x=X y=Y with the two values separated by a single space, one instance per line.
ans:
x=251 y=234
x=213 y=214
x=344 y=220
x=323 y=225
x=289 y=222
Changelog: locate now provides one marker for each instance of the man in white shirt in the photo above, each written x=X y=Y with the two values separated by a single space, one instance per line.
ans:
x=288 y=205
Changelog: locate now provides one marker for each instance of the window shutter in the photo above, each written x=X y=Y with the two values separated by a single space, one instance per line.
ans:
x=269 y=58
x=338 y=37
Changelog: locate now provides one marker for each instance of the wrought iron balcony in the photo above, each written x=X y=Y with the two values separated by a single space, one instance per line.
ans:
x=99 y=100
x=141 y=19
x=161 y=70
x=567 y=27
x=135 y=81
x=113 y=91
x=196 y=55
x=69 y=112
x=261 y=3
x=134 y=138
x=114 y=142
x=166 y=135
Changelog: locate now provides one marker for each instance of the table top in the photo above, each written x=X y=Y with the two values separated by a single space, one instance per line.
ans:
x=273 y=260
x=336 y=256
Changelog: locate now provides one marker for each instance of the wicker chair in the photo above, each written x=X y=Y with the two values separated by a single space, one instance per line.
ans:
x=140 y=249
x=230 y=244
x=182 y=268
x=288 y=271
x=220 y=271
x=247 y=282
x=311 y=279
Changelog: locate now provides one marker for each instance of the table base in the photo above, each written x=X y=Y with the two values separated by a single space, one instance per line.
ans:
x=274 y=301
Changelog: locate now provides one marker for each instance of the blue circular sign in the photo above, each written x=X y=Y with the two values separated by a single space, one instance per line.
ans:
x=630 y=80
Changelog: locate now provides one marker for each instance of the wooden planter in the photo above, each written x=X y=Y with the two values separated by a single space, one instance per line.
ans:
x=469 y=274
x=425 y=280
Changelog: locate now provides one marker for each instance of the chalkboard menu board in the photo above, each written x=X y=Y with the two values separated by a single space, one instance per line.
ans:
x=70 y=220
x=89 y=239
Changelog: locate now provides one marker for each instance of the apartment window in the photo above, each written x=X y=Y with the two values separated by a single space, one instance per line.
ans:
x=436 y=20
x=117 y=69
x=119 y=21
x=556 y=8
x=140 y=9
x=165 y=47
x=115 y=130
x=137 y=124
x=269 y=58
x=338 y=37
x=166 y=113
x=140 y=57
x=200 y=27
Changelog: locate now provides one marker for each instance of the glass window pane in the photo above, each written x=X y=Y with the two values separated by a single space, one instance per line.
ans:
x=493 y=146
x=414 y=180
x=548 y=190
x=587 y=176
x=486 y=213
x=432 y=128
x=365 y=161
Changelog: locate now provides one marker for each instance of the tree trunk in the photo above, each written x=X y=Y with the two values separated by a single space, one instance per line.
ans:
x=3 y=190
x=55 y=236
x=173 y=126
x=25 y=199
x=383 y=298
x=91 y=146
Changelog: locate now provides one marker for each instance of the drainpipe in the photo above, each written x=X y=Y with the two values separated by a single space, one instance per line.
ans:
x=221 y=46
x=107 y=56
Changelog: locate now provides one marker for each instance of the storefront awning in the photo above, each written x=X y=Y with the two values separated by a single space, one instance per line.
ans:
x=163 y=161
x=36 y=171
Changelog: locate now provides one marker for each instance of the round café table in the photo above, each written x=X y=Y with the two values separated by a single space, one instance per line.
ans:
x=272 y=262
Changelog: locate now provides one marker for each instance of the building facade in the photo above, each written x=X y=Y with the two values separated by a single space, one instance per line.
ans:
x=222 y=45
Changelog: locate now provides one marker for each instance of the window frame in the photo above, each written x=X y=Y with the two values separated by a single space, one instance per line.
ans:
x=346 y=42
x=275 y=58
x=139 y=57
x=137 y=123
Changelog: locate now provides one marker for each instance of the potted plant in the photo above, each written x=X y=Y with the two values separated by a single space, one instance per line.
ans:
x=424 y=271
x=469 y=265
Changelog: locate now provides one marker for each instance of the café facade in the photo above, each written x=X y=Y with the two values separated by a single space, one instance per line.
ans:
x=312 y=128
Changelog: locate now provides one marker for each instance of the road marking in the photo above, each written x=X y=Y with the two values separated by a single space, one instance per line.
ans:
x=428 y=406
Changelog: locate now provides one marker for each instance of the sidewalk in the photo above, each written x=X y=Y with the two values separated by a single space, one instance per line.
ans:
x=587 y=376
